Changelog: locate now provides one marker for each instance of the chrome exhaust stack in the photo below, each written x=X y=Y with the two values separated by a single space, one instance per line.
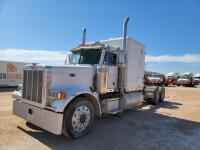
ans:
x=84 y=36
x=124 y=38
x=123 y=57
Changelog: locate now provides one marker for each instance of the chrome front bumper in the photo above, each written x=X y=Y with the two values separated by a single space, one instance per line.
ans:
x=42 y=118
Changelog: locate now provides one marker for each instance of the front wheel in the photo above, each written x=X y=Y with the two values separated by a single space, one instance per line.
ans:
x=78 y=118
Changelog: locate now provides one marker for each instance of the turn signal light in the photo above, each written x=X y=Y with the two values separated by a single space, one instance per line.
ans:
x=62 y=95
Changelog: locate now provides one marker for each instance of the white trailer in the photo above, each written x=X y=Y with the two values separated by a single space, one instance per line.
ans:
x=11 y=73
x=104 y=77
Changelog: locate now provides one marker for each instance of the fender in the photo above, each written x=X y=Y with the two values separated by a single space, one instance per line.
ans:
x=72 y=93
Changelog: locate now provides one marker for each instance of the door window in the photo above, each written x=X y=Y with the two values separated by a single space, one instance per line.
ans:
x=110 y=59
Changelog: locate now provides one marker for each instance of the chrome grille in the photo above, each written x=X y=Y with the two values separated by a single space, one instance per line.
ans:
x=32 y=85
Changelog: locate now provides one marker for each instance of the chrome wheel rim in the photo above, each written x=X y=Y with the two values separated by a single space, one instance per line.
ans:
x=81 y=118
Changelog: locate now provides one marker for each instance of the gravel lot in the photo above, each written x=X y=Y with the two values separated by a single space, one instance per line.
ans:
x=174 y=124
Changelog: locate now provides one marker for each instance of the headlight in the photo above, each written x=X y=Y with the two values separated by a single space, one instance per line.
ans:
x=57 y=95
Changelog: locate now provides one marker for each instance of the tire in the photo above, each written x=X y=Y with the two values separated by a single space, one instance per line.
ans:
x=78 y=118
x=147 y=100
x=162 y=95
x=156 y=99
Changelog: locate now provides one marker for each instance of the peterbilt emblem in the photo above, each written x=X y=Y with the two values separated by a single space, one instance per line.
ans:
x=72 y=75
x=11 y=67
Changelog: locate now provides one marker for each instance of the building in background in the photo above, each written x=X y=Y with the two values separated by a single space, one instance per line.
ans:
x=11 y=73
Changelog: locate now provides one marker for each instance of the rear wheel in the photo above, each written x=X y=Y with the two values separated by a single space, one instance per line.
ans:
x=156 y=99
x=162 y=94
x=78 y=118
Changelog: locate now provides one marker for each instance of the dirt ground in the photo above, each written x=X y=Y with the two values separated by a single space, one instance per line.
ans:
x=174 y=124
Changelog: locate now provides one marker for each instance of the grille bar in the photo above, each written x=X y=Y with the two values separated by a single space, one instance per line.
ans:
x=32 y=85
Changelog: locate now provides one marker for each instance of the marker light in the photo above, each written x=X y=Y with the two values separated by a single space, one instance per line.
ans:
x=54 y=95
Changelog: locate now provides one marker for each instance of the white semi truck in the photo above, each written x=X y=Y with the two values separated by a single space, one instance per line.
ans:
x=104 y=77
x=186 y=79
x=11 y=73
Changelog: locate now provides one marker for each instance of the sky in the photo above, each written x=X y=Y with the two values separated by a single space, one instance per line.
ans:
x=44 y=30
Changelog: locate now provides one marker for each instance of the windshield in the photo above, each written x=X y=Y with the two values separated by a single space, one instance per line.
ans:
x=156 y=76
x=86 y=56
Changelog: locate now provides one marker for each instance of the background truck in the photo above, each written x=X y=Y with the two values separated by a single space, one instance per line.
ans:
x=197 y=78
x=153 y=78
x=171 y=78
x=11 y=73
x=104 y=77
x=186 y=79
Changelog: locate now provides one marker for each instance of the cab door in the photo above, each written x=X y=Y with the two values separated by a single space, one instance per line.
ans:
x=111 y=63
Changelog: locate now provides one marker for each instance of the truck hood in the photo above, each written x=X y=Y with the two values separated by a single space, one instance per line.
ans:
x=154 y=78
x=183 y=80
x=72 y=76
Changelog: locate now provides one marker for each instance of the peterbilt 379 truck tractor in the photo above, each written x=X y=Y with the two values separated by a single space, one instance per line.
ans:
x=104 y=77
